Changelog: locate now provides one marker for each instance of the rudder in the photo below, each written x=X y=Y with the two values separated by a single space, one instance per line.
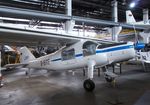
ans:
x=26 y=55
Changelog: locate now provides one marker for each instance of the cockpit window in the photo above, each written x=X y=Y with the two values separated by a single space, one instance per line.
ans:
x=89 y=48
x=68 y=54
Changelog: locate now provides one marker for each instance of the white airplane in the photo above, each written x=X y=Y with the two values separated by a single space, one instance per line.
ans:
x=131 y=20
x=79 y=55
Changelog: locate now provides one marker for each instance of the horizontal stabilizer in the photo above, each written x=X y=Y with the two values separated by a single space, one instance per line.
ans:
x=15 y=65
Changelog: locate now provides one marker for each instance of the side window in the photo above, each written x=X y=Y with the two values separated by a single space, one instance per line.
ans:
x=68 y=54
x=89 y=50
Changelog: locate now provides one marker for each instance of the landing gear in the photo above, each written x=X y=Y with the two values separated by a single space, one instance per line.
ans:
x=89 y=85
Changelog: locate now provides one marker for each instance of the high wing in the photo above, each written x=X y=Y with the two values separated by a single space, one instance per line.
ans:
x=23 y=36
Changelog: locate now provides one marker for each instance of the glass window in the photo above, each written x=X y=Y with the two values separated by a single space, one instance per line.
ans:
x=89 y=48
x=68 y=54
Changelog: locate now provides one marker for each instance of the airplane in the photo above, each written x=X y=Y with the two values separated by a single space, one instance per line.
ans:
x=131 y=20
x=84 y=53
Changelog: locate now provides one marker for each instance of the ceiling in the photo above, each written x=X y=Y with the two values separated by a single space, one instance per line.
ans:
x=100 y=9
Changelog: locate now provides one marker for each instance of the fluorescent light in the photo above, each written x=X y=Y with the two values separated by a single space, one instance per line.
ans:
x=132 y=5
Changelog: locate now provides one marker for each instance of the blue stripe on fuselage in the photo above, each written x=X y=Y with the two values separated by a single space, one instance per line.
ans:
x=115 y=49
x=102 y=51
x=56 y=59
x=79 y=55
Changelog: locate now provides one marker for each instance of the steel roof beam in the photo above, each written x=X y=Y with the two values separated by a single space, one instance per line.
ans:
x=47 y=16
x=31 y=14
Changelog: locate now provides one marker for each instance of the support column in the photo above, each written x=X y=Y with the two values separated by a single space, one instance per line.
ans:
x=115 y=30
x=69 y=26
x=69 y=23
x=120 y=68
x=2 y=55
x=145 y=16
x=115 y=33
x=113 y=66
x=83 y=25
x=69 y=7
x=99 y=72
x=114 y=5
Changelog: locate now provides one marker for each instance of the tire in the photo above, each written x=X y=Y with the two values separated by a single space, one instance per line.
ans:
x=89 y=85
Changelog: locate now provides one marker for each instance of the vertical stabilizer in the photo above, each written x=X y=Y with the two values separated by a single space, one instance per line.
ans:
x=129 y=17
x=26 y=55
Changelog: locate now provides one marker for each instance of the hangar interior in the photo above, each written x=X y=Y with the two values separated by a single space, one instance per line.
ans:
x=69 y=52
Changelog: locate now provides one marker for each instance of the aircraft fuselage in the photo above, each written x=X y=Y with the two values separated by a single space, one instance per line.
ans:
x=102 y=56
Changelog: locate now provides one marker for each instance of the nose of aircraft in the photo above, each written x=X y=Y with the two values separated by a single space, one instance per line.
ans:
x=139 y=46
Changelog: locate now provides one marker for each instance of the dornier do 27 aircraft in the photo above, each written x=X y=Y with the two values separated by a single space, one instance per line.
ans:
x=79 y=55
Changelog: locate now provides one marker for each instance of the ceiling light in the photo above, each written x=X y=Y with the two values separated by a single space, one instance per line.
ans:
x=124 y=2
x=132 y=5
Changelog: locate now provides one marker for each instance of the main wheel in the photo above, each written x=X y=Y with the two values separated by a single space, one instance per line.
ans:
x=89 y=85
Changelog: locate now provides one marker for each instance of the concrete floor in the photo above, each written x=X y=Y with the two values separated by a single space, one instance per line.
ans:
x=63 y=88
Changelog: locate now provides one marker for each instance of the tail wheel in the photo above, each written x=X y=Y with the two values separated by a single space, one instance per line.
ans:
x=89 y=85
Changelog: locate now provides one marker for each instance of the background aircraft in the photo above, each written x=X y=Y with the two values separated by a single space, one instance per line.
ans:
x=131 y=20
x=9 y=55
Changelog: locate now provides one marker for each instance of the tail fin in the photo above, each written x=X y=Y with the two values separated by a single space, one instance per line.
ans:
x=26 y=55
x=129 y=17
